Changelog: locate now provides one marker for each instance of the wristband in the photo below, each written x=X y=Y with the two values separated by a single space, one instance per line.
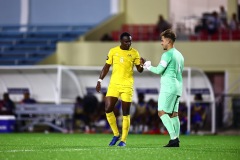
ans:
x=100 y=80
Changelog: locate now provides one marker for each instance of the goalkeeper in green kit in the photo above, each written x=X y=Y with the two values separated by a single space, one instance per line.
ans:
x=170 y=68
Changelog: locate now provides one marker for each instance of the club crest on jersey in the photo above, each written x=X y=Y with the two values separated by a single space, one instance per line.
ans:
x=129 y=55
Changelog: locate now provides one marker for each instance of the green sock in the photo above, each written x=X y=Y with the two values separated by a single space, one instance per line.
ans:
x=169 y=125
x=176 y=125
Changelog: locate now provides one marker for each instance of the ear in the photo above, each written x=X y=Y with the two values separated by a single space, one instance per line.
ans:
x=169 y=41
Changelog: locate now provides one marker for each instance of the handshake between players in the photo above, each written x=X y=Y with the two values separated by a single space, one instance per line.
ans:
x=146 y=64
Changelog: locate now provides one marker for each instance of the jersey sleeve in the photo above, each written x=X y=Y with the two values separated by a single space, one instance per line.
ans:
x=109 y=59
x=137 y=59
x=165 y=59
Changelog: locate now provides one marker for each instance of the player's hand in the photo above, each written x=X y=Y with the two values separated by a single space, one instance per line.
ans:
x=147 y=65
x=98 y=87
x=142 y=61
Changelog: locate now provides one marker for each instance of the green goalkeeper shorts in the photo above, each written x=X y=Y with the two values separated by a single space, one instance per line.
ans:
x=168 y=103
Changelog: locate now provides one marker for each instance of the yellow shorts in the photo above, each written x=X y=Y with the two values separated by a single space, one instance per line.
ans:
x=125 y=93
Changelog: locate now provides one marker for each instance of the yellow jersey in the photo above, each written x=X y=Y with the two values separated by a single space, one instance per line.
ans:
x=122 y=62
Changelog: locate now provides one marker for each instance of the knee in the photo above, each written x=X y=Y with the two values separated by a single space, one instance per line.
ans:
x=108 y=108
x=160 y=113
x=174 y=114
x=125 y=112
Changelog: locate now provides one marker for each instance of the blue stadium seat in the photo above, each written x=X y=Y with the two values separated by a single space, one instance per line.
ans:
x=19 y=61
x=27 y=45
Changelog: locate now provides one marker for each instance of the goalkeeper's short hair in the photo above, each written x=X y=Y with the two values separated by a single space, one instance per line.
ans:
x=169 y=34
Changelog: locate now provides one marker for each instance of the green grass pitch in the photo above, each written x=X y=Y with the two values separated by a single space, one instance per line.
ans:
x=56 y=146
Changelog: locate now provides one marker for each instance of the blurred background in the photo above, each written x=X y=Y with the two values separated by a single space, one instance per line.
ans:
x=52 y=51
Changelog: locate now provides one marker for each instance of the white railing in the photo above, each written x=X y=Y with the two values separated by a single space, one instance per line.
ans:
x=59 y=84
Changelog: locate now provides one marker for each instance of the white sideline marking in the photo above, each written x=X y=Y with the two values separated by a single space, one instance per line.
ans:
x=38 y=150
x=68 y=150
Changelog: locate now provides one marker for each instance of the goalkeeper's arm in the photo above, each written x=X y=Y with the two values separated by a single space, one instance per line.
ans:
x=157 y=70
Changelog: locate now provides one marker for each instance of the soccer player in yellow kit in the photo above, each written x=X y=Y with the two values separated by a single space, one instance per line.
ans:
x=122 y=58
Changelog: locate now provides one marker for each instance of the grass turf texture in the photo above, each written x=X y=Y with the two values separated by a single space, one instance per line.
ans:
x=53 y=146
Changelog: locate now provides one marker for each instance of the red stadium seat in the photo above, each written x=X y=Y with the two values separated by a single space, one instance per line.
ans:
x=144 y=28
x=225 y=36
x=203 y=37
x=140 y=32
x=135 y=36
x=145 y=37
x=135 y=29
x=152 y=32
x=193 y=37
x=144 y=33
x=115 y=35
x=235 y=35
x=126 y=28
x=214 y=37
x=131 y=28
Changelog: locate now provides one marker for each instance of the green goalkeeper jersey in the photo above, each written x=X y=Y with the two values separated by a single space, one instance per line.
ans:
x=170 y=68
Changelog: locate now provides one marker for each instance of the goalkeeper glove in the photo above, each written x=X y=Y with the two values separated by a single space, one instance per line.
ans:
x=147 y=65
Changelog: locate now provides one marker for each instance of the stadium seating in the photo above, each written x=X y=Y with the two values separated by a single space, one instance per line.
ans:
x=147 y=32
x=139 y=32
x=28 y=45
x=221 y=35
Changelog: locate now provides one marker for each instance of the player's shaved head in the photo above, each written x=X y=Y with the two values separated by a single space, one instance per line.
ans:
x=169 y=34
x=125 y=34
x=126 y=41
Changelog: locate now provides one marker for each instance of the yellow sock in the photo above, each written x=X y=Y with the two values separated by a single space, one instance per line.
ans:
x=113 y=123
x=125 y=128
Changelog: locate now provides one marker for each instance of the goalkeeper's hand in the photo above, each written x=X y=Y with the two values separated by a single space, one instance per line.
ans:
x=147 y=65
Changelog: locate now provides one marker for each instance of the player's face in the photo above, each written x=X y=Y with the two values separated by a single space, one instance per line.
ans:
x=165 y=42
x=126 y=42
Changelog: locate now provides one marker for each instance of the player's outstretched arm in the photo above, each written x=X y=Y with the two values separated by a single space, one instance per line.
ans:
x=157 y=70
x=142 y=60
